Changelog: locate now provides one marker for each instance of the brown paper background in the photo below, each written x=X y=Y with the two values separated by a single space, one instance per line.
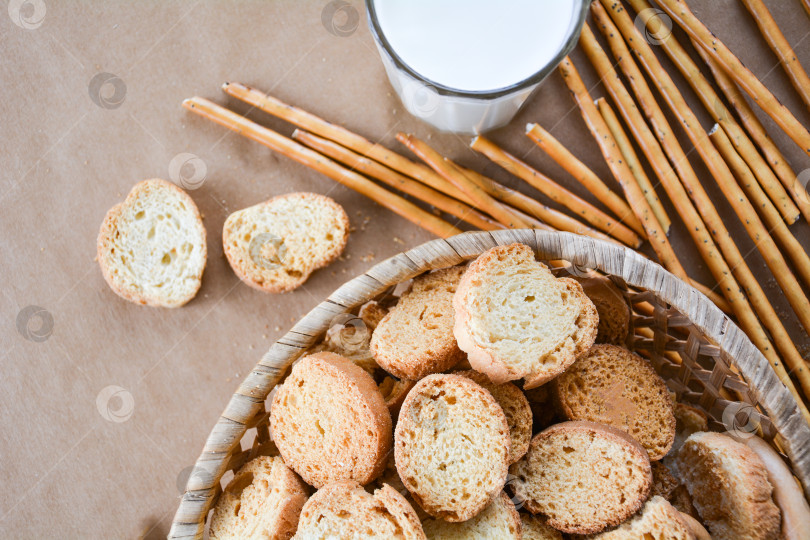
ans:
x=68 y=472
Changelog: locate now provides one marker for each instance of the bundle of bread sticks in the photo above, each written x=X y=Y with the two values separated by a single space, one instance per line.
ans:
x=743 y=160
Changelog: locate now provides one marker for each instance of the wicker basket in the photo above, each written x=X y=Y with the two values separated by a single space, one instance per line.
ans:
x=703 y=356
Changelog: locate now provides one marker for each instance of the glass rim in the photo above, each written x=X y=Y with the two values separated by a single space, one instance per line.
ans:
x=444 y=90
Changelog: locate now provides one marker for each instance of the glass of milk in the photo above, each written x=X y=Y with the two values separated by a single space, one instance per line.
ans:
x=467 y=66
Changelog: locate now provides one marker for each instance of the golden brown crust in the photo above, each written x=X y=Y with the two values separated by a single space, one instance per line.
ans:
x=244 y=271
x=614 y=386
x=330 y=421
x=108 y=231
x=664 y=484
x=787 y=493
x=344 y=509
x=416 y=337
x=264 y=496
x=695 y=527
x=573 y=510
x=729 y=487
x=613 y=308
x=533 y=528
x=486 y=359
x=451 y=413
x=656 y=519
x=394 y=392
x=499 y=520
x=515 y=406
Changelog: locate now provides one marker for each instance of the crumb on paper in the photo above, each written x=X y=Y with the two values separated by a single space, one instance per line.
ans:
x=278 y=329
x=367 y=258
x=398 y=240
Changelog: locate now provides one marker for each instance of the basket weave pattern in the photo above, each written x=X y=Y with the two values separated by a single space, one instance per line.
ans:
x=702 y=355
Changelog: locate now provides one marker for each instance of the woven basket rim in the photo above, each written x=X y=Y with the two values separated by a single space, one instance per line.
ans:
x=637 y=271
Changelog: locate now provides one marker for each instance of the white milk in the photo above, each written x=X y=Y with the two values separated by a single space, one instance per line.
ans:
x=476 y=45
x=468 y=66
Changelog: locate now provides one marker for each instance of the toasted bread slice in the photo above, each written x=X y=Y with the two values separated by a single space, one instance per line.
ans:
x=416 y=337
x=498 y=521
x=614 y=386
x=681 y=500
x=391 y=477
x=729 y=486
x=613 y=309
x=451 y=446
x=516 y=408
x=263 y=500
x=330 y=421
x=688 y=420
x=345 y=511
x=657 y=520
x=151 y=247
x=394 y=392
x=371 y=313
x=349 y=337
x=274 y=246
x=515 y=320
x=664 y=484
x=534 y=528
x=697 y=528
x=582 y=477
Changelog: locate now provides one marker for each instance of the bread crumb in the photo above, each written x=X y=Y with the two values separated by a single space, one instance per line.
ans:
x=398 y=240
x=278 y=329
x=367 y=258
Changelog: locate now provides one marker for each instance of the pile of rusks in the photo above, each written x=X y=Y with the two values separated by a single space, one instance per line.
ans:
x=493 y=401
